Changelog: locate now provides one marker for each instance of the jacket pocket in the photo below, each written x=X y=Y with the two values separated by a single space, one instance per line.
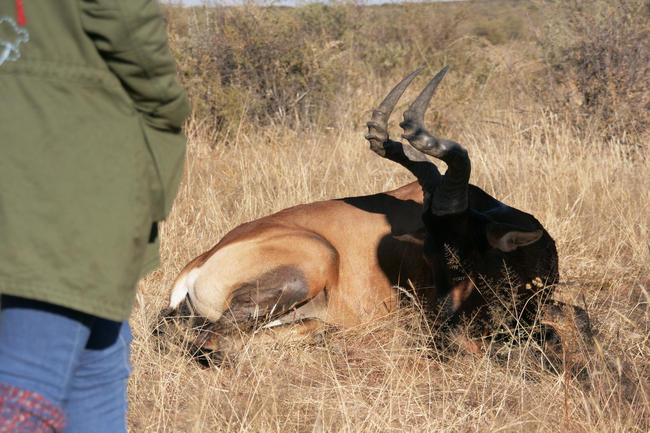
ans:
x=167 y=151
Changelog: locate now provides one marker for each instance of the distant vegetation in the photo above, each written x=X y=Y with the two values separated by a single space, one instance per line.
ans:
x=257 y=65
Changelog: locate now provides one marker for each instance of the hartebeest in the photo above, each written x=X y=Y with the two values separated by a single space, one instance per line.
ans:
x=339 y=261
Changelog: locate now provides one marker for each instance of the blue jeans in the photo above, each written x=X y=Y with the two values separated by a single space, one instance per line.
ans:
x=74 y=360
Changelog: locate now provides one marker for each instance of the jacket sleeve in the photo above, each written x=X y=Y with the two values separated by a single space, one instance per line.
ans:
x=130 y=36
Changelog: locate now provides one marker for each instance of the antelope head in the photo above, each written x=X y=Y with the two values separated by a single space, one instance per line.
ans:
x=478 y=248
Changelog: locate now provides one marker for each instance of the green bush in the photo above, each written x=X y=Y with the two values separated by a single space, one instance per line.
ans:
x=598 y=54
x=255 y=64
x=251 y=65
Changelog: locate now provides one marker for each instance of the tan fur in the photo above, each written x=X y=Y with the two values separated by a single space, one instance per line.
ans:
x=333 y=243
x=461 y=292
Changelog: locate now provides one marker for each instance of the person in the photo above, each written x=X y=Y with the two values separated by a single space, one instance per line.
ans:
x=91 y=154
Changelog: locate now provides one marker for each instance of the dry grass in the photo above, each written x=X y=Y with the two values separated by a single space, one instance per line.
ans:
x=592 y=196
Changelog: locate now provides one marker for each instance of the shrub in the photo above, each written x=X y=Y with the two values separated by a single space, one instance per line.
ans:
x=250 y=66
x=598 y=55
x=260 y=65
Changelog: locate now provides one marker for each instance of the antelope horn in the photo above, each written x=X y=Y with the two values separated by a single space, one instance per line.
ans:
x=378 y=124
x=414 y=116
x=450 y=196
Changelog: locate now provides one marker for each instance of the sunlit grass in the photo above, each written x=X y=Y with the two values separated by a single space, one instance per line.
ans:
x=591 y=193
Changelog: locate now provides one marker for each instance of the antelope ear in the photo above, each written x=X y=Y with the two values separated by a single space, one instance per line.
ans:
x=507 y=237
x=416 y=237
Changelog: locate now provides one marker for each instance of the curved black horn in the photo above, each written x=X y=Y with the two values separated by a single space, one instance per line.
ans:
x=404 y=154
x=414 y=116
x=451 y=195
x=378 y=124
x=389 y=102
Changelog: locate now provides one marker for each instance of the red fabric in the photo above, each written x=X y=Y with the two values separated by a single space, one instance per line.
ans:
x=20 y=13
x=23 y=411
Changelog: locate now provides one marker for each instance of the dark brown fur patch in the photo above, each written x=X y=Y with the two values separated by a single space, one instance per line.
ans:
x=273 y=293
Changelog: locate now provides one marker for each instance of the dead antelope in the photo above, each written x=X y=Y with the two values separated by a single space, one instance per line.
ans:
x=338 y=262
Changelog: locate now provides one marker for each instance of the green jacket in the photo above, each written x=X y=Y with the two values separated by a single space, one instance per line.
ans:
x=91 y=149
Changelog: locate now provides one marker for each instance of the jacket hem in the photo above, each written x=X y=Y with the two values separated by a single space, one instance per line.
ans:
x=68 y=297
